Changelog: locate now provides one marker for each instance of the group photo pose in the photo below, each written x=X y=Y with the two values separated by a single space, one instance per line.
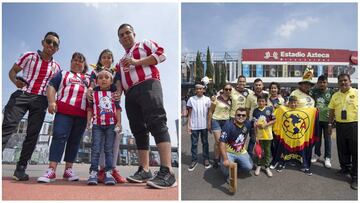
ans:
x=90 y=111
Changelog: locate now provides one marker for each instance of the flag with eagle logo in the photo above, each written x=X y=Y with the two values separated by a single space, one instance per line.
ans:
x=297 y=130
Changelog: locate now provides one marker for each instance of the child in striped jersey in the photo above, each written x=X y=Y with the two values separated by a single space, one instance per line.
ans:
x=105 y=61
x=105 y=114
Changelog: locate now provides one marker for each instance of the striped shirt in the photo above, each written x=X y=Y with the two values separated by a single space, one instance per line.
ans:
x=137 y=74
x=71 y=92
x=37 y=72
x=199 y=110
x=104 y=108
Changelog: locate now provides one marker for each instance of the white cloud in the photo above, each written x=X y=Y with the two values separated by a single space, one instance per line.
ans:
x=293 y=25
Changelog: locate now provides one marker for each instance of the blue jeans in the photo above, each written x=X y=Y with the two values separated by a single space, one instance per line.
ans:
x=243 y=161
x=194 y=142
x=323 y=130
x=67 y=130
x=102 y=138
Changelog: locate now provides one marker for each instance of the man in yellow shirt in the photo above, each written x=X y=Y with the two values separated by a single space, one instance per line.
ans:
x=344 y=110
x=302 y=93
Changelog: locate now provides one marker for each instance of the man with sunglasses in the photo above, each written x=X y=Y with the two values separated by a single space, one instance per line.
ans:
x=37 y=70
x=232 y=141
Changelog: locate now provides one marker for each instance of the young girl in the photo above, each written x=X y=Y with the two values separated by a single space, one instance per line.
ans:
x=105 y=114
x=219 y=113
x=105 y=61
x=275 y=98
x=70 y=119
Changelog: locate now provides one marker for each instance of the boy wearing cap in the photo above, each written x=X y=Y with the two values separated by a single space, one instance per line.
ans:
x=198 y=107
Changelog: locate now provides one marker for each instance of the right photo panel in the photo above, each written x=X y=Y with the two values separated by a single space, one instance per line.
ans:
x=269 y=101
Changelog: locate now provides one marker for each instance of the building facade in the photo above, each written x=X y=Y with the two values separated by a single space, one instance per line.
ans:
x=285 y=66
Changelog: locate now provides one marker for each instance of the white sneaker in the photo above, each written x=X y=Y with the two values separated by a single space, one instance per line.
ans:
x=49 y=176
x=315 y=158
x=268 y=172
x=257 y=170
x=327 y=163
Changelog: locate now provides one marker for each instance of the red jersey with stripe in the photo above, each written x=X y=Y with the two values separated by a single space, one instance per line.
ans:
x=71 y=92
x=137 y=74
x=103 y=108
x=37 y=72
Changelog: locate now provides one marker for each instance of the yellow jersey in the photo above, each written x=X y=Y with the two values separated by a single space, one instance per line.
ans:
x=304 y=100
x=347 y=101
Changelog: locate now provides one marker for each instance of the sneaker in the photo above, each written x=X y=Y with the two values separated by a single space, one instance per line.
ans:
x=279 y=168
x=192 y=166
x=353 y=184
x=49 y=176
x=19 y=173
x=327 y=163
x=163 y=179
x=118 y=178
x=315 y=158
x=308 y=172
x=70 y=175
x=257 y=170
x=140 y=176
x=109 y=179
x=101 y=175
x=272 y=167
x=268 y=172
x=93 y=178
x=207 y=164
x=343 y=172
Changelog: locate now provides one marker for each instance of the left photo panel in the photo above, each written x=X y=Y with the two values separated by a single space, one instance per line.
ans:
x=90 y=97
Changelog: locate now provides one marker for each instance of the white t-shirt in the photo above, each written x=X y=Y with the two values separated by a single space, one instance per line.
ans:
x=199 y=111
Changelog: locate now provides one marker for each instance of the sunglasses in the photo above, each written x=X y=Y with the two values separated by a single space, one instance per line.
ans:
x=227 y=89
x=49 y=41
x=241 y=115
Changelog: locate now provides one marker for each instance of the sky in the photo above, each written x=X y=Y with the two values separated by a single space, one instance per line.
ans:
x=235 y=26
x=89 y=29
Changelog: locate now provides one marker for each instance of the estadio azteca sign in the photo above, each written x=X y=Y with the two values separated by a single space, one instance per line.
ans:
x=301 y=55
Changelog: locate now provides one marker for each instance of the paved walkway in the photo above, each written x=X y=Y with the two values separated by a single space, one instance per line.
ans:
x=291 y=184
x=64 y=190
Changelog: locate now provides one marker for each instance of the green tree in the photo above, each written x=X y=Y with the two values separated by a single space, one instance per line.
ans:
x=217 y=77
x=209 y=72
x=199 y=69
x=223 y=75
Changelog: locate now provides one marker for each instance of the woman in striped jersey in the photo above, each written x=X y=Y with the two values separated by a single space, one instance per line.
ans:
x=70 y=118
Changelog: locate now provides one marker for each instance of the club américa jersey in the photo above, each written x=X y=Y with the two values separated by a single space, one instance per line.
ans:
x=37 y=72
x=234 y=136
x=137 y=74
x=71 y=92
x=103 y=107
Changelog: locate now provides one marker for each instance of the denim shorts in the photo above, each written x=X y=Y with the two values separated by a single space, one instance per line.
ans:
x=217 y=124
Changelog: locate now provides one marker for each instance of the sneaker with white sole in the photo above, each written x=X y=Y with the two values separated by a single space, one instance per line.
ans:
x=70 y=175
x=192 y=166
x=207 y=164
x=272 y=167
x=49 y=176
x=109 y=179
x=257 y=170
x=315 y=158
x=93 y=178
x=327 y=163
x=268 y=172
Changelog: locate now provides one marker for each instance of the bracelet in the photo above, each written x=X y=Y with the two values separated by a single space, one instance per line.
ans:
x=329 y=124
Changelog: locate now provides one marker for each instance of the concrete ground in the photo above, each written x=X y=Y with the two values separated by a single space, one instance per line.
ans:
x=79 y=190
x=290 y=184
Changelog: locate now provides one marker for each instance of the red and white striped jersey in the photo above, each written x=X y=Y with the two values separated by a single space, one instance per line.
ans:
x=137 y=74
x=37 y=72
x=103 y=108
x=71 y=93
